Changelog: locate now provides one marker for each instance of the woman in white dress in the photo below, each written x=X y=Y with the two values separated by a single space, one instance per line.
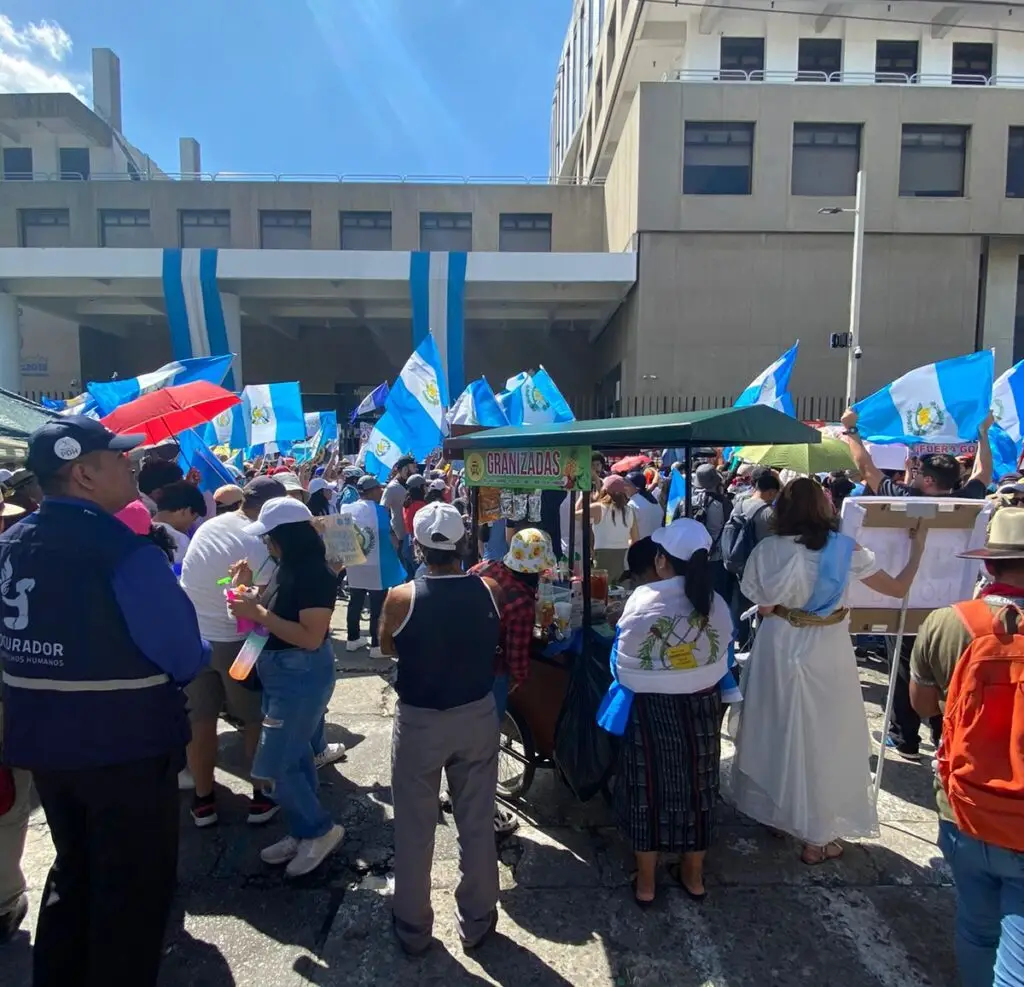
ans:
x=803 y=749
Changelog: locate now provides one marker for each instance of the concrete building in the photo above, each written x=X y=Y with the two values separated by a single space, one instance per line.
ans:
x=676 y=250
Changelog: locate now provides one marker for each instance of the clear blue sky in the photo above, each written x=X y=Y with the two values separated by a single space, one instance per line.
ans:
x=432 y=87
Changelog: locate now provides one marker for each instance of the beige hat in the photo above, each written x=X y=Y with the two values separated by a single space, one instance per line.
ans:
x=530 y=551
x=1005 y=536
x=10 y=510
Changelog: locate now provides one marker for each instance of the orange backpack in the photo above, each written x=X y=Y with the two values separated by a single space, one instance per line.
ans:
x=981 y=759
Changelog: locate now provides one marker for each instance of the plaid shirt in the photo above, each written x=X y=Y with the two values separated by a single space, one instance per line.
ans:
x=517 y=618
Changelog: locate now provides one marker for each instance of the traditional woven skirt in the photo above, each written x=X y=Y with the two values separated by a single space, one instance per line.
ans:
x=667 y=784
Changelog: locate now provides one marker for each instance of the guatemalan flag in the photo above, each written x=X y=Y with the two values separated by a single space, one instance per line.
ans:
x=387 y=443
x=111 y=394
x=771 y=386
x=268 y=414
x=374 y=401
x=84 y=404
x=419 y=399
x=477 y=406
x=939 y=403
x=534 y=399
x=1007 y=408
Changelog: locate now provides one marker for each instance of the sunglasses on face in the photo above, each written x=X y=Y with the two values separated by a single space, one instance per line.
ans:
x=224 y=508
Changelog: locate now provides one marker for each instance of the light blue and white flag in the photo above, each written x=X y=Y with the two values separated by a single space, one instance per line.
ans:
x=269 y=414
x=534 y=399
x=387 y=443
x=419 y=400
x=937 y=403
x=477 y=406
x=112 y=394
x=83 y=404
x=771 y=386
x=676 y=494
x=374 y=401
x=196 y=455
x=1007 y=408
x=437 y=292
x=321 y=421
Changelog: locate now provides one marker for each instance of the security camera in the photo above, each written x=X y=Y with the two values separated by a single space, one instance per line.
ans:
x=857 y=352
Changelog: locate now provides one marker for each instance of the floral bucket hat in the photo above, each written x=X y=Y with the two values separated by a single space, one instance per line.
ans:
x=530 y=551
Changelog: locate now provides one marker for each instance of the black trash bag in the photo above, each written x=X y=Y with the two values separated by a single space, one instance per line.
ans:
x=584 y=754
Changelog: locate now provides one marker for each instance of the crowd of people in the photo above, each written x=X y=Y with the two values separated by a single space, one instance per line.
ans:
x=197 y=606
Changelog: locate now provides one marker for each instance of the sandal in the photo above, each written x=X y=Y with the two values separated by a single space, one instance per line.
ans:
x=814 y=855
x=675 y=872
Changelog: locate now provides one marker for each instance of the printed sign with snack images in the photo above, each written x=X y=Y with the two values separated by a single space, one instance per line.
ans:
x=561 y=468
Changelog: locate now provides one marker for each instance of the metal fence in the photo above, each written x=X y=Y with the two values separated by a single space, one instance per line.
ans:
x=240 y=176
x=808 y=407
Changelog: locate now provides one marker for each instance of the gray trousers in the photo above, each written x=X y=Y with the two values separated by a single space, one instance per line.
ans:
x=13 y=828
x=464 y=742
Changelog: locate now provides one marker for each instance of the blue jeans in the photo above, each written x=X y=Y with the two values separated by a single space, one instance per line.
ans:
x=989 y=909
x=297 y=685
x=319 y=740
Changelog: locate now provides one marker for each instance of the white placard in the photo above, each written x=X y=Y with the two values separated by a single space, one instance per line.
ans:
x=942 y=579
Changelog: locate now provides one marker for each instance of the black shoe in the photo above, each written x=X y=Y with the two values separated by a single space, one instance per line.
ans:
x=11 y=920
x=262 y=808
x=468 y=947
x=204 y=810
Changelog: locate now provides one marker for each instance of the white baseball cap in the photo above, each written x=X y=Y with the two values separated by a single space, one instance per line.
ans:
x=681 y=538
x=319 y=483
x=278 y=511
x=439 y=525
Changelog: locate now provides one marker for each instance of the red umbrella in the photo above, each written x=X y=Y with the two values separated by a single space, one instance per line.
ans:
x=631 y=463
x=162 y=414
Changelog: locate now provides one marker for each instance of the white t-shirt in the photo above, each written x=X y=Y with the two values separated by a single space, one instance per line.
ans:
x=218 y=544
x=648 y=516
x=180 y=541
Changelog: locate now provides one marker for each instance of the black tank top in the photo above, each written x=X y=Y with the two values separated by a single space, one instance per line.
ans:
x=447 y=645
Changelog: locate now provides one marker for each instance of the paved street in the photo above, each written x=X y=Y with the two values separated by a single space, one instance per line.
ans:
x=880 y=917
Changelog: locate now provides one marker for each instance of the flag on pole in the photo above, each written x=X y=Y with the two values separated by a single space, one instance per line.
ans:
x=269 y=414
x=374 y=401
x=771 y=386
x=387 y=443
x=676 y=494
x=196 y=455
x=1007 y=408
x=419 y=400
x=534 y=399
x=477 y=405
x=111 y=394
x=83 y=404
x=937 y=403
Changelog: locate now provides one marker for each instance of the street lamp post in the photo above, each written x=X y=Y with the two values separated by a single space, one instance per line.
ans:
x=853 y=350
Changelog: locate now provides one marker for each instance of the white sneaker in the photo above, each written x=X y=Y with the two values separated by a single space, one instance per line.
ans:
x=330 y=754
x=280 y=852
x=186 y=783
x=312 y=853
x=376 y=653
x=356 y=645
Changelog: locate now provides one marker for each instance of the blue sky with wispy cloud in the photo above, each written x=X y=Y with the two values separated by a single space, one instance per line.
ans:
x=374 y=87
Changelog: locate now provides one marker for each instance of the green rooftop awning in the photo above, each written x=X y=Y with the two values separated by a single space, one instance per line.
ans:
x=756 y=425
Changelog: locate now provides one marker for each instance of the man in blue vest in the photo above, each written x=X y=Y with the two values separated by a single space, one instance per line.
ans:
x=96 y=640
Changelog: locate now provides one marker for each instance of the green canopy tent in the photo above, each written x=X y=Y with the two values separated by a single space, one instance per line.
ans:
x=19 y=418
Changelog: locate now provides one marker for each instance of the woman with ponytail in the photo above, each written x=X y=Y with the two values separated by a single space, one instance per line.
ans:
x=671 y=656
x=803 y=748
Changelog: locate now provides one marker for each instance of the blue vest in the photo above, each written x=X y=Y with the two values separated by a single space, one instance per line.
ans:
x=78 y=693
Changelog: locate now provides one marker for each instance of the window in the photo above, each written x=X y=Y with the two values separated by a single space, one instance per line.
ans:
x=74 y=164
x=826 y=157
x=124 y=228
x=45 y=227
x=366 y=231
x=1015 y=164
x=525 y=232
x=932 y=160
x=446 y=231
x=17 y=164
x=718 y=158
x=895 y=61
x=972 y=63
x=205 y=227
x=818 y=59
x=285 y=229
x=741 y=57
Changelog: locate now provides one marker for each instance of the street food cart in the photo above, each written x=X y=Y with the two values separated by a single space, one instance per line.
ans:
x=557 y=457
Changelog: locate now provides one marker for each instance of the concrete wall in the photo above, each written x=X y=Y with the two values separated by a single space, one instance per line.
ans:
x=715 y=309
x=881 y=110
x=621 y=190
x=577 y=213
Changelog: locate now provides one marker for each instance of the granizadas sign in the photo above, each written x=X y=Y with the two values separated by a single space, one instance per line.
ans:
x=560 y=468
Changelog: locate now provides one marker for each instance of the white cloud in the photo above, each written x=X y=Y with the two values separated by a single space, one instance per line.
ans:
x=31 y=58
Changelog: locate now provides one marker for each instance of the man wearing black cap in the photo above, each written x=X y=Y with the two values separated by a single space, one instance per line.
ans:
x=96 y=640
x=219 y=546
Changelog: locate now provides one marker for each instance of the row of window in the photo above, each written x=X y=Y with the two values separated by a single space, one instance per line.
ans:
x=73 y=162
x=718 y=159
x=971 y=62
x=289 y=229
